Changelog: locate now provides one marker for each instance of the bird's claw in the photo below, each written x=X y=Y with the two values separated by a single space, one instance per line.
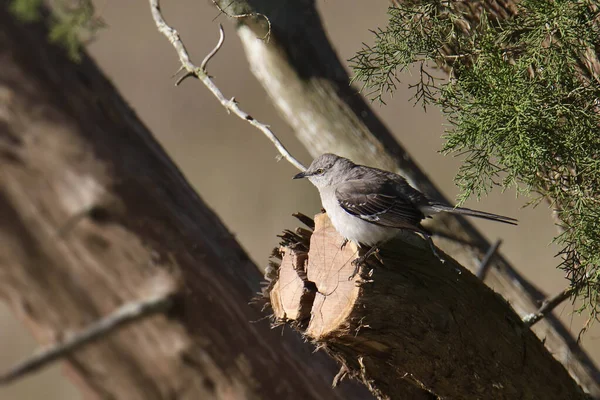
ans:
x=358 y=262
x=344 y=243
x=437 y=255
x=433 y=249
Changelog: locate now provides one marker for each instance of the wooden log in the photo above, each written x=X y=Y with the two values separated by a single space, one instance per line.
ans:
x=411 y=319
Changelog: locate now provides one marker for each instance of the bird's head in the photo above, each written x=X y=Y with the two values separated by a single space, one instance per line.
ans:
x=326 y=170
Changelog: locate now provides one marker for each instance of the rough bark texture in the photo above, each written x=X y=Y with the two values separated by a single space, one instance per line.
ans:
x=93 y=214
x=410 y=318
x=305 y=79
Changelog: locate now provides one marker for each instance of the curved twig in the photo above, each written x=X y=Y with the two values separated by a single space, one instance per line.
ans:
x=241 y=16
x=215 y=50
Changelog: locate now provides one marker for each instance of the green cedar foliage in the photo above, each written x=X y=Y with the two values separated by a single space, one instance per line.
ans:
x=523 y=106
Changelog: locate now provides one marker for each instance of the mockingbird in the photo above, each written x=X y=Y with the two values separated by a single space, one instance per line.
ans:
x=370 y=206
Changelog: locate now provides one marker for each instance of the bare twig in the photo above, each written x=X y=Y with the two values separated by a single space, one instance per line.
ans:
x=241 y=16
x=125 y=315
x=200 y=73
x=484 y=266
x=547 y=306
x=215 y=50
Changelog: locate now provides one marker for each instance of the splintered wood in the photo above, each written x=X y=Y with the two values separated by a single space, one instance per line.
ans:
x=289 y=295
x=316 y=290
x=330 y=267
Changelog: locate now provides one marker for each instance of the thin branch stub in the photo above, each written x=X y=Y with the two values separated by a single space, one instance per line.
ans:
x=484 y=266
x=215 y=50
x=547 y=307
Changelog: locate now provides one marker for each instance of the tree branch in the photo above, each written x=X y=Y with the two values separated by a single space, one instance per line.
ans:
x=547 y=307
x=126 y=314
x=485 y=262
x=230 y=105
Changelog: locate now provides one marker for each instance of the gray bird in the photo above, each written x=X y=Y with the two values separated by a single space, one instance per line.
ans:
x=370 y=206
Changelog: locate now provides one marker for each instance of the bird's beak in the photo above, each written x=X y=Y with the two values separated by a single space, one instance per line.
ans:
x=301 y=175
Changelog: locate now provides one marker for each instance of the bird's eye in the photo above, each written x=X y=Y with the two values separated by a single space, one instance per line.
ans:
x=320 y=171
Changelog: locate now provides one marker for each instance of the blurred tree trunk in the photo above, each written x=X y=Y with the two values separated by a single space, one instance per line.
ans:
x=305 y=79
x=93 y=214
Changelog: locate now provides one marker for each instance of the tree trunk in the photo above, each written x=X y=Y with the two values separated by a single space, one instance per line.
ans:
x=305 y=79
x=410 y=318
x=93 y=214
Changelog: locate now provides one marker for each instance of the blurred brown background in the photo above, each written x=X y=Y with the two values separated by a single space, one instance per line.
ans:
x=224 y=157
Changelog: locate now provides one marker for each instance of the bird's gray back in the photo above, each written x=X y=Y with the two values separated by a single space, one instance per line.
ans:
x=387 y=182
x=380 y=197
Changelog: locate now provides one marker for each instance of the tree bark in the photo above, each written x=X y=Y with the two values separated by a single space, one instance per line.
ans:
x=93 y=214
x=410 y=318
x=302 y=74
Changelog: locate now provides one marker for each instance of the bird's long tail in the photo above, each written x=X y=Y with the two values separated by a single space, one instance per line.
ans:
x=471 y=213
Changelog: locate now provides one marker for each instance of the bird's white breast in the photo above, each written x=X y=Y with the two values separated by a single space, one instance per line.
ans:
x=351 y=227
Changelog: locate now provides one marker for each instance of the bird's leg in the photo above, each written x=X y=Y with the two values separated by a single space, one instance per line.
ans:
x=361 y=260
x=433 y=249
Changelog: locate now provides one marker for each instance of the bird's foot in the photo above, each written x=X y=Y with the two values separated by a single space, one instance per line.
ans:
x=434 y=250
x=357 y=263
x=344 y=243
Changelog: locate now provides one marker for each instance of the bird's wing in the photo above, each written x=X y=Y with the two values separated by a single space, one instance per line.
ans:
x=379 y=203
